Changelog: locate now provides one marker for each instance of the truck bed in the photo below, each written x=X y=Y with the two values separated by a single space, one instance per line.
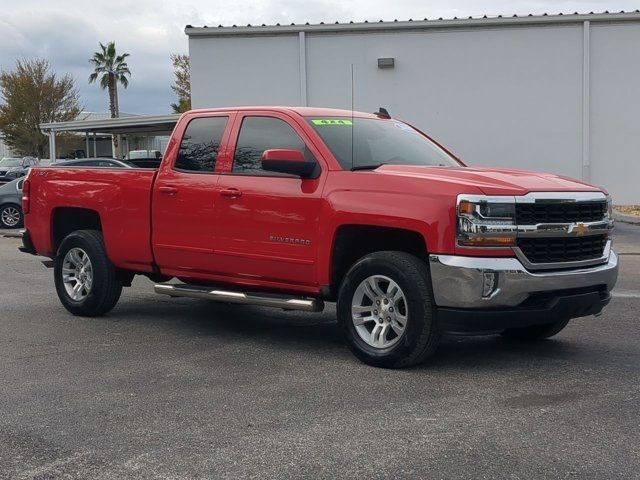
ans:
x=120 y=197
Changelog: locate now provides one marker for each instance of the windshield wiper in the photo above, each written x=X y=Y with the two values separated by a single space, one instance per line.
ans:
x=373 y=166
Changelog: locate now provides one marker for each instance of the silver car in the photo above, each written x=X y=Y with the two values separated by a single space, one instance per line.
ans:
x=11 y=204
x=12 y=168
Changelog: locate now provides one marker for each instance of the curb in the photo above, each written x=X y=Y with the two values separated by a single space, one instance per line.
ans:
x=11 y=233
x=621 y=217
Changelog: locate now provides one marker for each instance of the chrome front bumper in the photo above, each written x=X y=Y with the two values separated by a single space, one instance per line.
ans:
x=494 y=283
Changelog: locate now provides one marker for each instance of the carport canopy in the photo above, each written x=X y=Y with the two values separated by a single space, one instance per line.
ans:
x=133 y=125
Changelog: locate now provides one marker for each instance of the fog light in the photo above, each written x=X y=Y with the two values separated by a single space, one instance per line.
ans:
x=489 y=283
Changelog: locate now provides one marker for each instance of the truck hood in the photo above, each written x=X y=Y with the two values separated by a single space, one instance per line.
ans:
x=492 y=181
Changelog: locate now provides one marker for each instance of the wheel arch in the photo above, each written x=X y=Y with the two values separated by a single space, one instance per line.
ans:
x=65 y=220
x=353 y=241
x=4 y=204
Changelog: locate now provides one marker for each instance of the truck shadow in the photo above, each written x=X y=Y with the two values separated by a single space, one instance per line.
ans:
x=317 y=334
x=494 y=352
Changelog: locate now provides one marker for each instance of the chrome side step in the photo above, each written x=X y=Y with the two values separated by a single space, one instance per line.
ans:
x=263 y=300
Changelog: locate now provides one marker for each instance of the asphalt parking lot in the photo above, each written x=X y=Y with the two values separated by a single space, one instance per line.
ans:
x=178 y=388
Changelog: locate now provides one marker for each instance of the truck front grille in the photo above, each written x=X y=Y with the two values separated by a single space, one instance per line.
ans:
x=560 y=212
x=562 y=249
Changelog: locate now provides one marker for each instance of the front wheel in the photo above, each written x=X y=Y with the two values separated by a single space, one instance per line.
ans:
x=386 y=311
x=535 y=332
x=11 y=216
x=86 y=281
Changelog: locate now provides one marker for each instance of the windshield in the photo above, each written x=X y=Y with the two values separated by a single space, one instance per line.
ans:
x=377 y=142
x=11 y=162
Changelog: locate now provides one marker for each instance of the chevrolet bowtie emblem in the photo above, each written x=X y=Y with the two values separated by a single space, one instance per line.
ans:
x=580 y=229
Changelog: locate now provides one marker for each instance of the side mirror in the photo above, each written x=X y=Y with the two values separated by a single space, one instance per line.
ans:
x=287 y=161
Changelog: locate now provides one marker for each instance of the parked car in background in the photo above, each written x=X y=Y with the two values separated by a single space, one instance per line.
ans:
x=10 y=204
x=95 y=163
x=12 y=168
x=145 y=158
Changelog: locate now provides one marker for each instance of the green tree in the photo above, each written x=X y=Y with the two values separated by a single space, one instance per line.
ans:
x=182 y=82
x=111 y=69
x=32 y=94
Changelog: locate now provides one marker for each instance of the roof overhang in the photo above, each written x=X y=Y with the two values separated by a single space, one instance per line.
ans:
x=352 y=27
x=140 y=124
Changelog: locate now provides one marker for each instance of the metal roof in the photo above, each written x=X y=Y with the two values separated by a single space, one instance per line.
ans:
x=366 y=26
x=147 y=124
x=85 y=115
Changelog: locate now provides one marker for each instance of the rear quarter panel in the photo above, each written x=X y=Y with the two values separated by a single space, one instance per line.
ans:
x=121 y=197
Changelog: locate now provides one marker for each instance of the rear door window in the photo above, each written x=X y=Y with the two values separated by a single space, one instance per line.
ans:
x=200 y=143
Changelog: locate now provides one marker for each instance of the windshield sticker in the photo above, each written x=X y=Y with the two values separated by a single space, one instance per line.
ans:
x=330 y=121
x=405 y=127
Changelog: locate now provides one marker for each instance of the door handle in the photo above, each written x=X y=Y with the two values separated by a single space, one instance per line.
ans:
x=168 y=190
x=231 y=193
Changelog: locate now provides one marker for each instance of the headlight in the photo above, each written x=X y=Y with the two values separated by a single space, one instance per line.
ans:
x=486 y=221
x=609 y=207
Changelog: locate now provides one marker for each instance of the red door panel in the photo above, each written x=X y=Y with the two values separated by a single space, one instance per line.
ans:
x=270 y=230
x=185 y=196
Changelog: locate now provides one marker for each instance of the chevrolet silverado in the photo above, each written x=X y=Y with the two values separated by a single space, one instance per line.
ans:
x=293 y=207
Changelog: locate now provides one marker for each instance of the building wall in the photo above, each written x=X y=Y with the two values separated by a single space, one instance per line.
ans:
x=245 y=71
x=507 y=96
x=5 y=151
x=615 y=110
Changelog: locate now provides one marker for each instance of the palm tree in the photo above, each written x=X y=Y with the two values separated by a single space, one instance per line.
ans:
x=112 y=69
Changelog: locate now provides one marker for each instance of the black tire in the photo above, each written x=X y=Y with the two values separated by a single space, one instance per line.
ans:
x=4 y=209
x=106 y=286
x=421 y=335
x=535 y=332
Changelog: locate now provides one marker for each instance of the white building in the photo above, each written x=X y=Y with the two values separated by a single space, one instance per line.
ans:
x=5 y=150
x=556 y=93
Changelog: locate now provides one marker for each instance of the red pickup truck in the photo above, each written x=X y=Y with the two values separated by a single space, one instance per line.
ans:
x=292 y=207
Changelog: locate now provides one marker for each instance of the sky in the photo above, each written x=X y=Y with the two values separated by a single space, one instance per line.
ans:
x=67 y=32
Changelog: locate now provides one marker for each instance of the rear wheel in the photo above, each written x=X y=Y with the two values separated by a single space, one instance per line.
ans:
x=535 y=332
x=386 y=311
x=86 y=281
x=11 y=216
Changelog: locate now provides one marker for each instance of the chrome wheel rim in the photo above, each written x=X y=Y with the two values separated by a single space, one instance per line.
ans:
x=77 y=274
x=10 y=216
x=379 y=311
